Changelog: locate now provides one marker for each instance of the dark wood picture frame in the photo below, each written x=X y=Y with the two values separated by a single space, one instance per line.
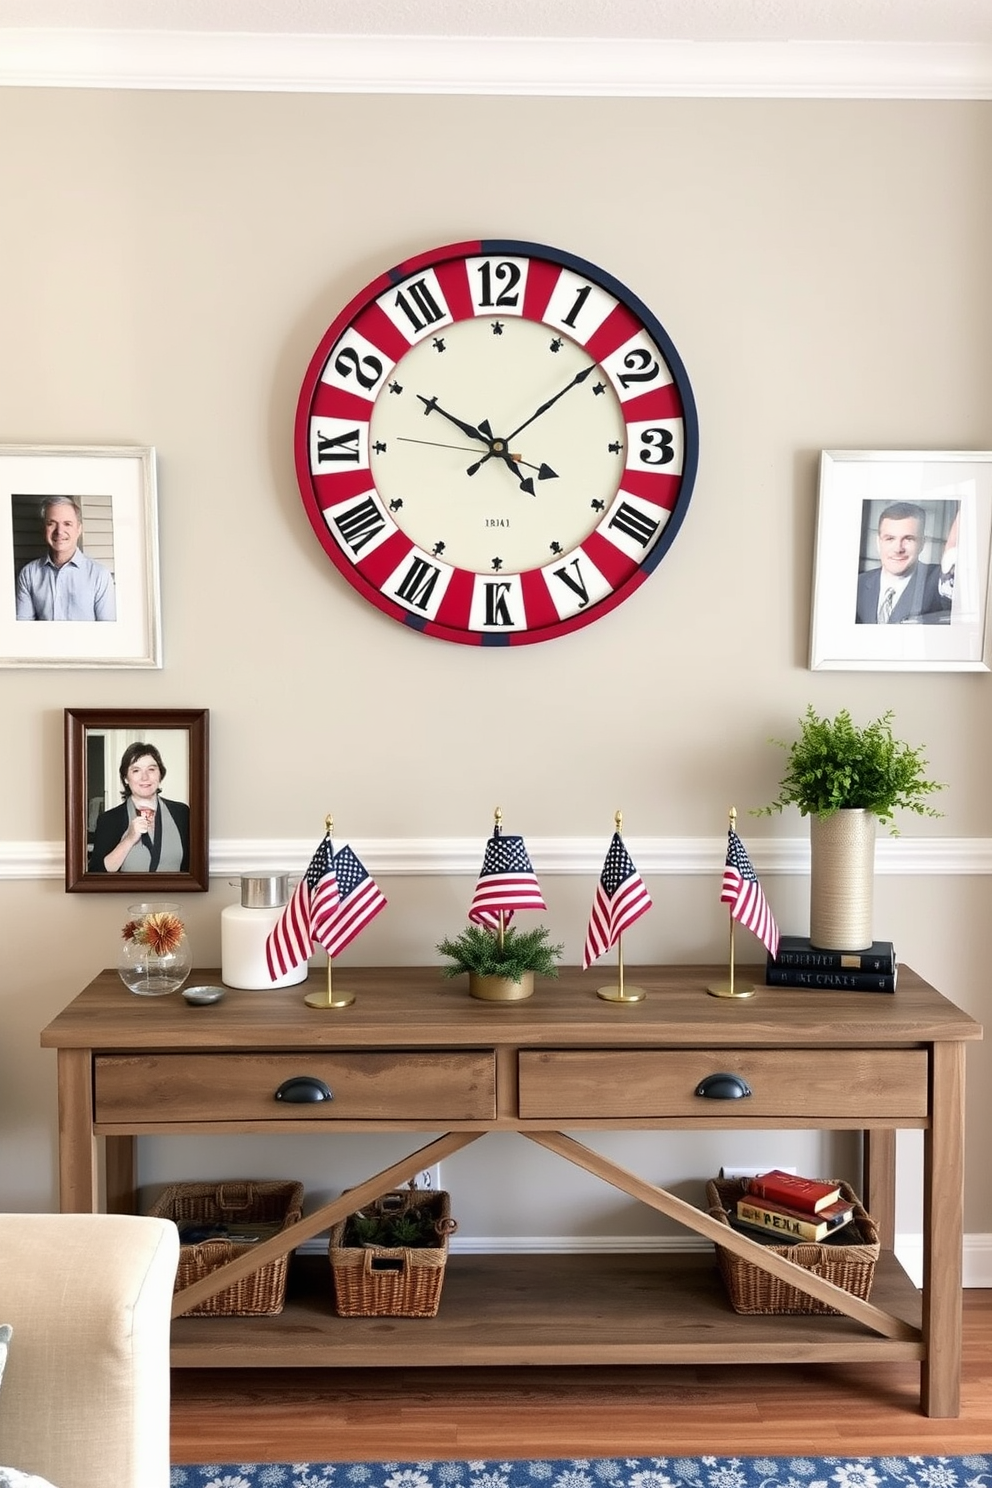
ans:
x=85 y=724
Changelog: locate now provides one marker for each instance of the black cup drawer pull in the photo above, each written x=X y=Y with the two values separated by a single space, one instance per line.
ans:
x=304 y=1090
x=723 y=1087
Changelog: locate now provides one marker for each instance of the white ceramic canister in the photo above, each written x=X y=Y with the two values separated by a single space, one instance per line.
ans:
x=244 y=929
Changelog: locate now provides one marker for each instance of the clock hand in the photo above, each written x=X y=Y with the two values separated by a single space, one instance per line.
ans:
x=510 y=461
x=579 y=377
x=544 y=471
x=431 y=405
x=436 y=444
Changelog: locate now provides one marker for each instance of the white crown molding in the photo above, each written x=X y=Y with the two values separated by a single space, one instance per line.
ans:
x=551 y=856
x=544 y=66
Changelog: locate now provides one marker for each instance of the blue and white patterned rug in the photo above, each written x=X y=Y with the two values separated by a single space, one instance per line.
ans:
x=611 y=1472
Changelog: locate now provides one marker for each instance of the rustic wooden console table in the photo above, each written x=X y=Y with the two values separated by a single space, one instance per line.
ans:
x=416 y=1053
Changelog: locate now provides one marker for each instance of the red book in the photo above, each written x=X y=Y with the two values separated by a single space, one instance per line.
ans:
x=807 y=1195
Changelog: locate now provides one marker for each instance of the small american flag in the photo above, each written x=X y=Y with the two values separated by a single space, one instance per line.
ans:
x=359 y=901
x=742 y=891
x=507 y=882
x=621 y=898
x=333 y=901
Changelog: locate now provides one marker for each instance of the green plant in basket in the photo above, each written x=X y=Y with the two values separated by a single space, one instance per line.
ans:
x=509 y=955
x=400 y=1231
x=834 y=765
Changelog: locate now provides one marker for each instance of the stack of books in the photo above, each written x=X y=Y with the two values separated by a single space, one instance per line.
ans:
x=786 y=1208
x=799 y=963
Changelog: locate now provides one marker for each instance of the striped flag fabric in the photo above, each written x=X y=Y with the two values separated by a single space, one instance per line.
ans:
x=621 y=898
x=359 y=901
x=507 y=882
x=333 y=901
x=742 y=891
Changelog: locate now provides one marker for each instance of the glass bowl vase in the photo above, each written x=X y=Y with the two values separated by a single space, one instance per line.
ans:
x=155 y=955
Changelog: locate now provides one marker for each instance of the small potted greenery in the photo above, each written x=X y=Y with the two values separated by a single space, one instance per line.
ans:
x=501 y=964
x=836 y=766
x=846 y=779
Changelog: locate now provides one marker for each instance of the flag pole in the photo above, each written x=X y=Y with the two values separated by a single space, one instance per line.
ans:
x=617 y=992
x=497 y=829
x=728 y=988
x=329 y=998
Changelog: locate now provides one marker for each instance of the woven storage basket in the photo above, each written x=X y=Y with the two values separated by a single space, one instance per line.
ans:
x=251 y=1201
x=380 y=1281
x=753 y=1290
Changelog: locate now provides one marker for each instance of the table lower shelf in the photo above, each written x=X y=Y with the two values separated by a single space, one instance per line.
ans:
x=641 y=1308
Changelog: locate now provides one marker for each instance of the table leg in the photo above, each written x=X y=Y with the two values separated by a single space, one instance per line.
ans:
x=121 y=1174
x=943 y=1233
x=78 y=1193
x=878 y=1188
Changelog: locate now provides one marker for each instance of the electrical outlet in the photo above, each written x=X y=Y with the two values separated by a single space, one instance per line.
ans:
x=429 y=1178
x=730 y=1173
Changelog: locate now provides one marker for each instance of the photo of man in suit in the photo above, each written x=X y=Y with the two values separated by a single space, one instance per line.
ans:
x=902 y=590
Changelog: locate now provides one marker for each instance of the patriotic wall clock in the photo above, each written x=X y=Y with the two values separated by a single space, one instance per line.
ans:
x=496 y=442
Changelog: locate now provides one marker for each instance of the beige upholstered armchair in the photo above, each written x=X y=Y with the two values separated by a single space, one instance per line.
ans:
x=84 y=1400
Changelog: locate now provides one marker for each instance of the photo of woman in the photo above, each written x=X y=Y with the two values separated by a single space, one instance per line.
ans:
x=146 y=833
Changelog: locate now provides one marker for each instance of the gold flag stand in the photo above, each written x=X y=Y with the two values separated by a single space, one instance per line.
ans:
x=617 y=991
x=730 y=987
x=329 y=998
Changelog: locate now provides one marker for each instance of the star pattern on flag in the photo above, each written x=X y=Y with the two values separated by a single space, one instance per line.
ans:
x=742 y=891
x=507 y=882
x=621 y=898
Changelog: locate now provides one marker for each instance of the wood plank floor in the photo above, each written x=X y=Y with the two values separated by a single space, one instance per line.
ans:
x=339 y=1415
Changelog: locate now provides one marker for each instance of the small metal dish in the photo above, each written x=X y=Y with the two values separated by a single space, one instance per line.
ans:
x=202 y=996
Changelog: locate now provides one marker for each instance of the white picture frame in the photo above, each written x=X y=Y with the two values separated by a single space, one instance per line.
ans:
x=114 y=487
x=940 y=619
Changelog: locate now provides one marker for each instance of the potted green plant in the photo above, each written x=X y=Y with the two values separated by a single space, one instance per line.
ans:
x=847 y=779
x=501 y=964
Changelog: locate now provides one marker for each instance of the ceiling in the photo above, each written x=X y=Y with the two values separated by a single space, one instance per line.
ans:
x=877 y=21
x=726 y=48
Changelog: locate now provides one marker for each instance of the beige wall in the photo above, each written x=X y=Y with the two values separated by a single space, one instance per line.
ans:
x=168 y=263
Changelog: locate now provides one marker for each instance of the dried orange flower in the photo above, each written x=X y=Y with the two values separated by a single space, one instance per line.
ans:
x=161 y=932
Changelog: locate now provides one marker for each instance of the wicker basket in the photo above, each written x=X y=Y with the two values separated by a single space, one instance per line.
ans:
x=753 y=1290
x=379 y=1281
x=252 y=1201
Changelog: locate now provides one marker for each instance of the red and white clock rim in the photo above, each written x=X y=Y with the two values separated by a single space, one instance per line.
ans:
x=325 y=492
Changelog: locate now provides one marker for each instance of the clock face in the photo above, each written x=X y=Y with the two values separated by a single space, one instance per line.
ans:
x=496 y=442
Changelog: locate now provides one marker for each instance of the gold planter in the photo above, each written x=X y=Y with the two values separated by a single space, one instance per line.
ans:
x=500 y=989
x=842 y=879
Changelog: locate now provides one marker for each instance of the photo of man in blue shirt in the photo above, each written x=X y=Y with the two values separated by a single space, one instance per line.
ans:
x=65 y=584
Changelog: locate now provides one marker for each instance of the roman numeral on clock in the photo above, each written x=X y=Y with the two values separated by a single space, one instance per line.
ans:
x=360 y=524
x=634 y=523
x=416 y=301
x=338 y=447
x=417 y=584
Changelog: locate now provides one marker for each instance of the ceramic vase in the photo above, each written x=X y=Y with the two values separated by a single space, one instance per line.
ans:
x=842 y=879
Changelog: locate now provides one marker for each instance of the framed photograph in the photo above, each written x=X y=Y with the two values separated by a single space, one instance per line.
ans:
x=79 y=578
x=136 y=787
x=901 y=573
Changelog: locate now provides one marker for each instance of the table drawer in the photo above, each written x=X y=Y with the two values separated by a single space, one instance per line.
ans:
x=367 y=1085
x=558 y=1084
